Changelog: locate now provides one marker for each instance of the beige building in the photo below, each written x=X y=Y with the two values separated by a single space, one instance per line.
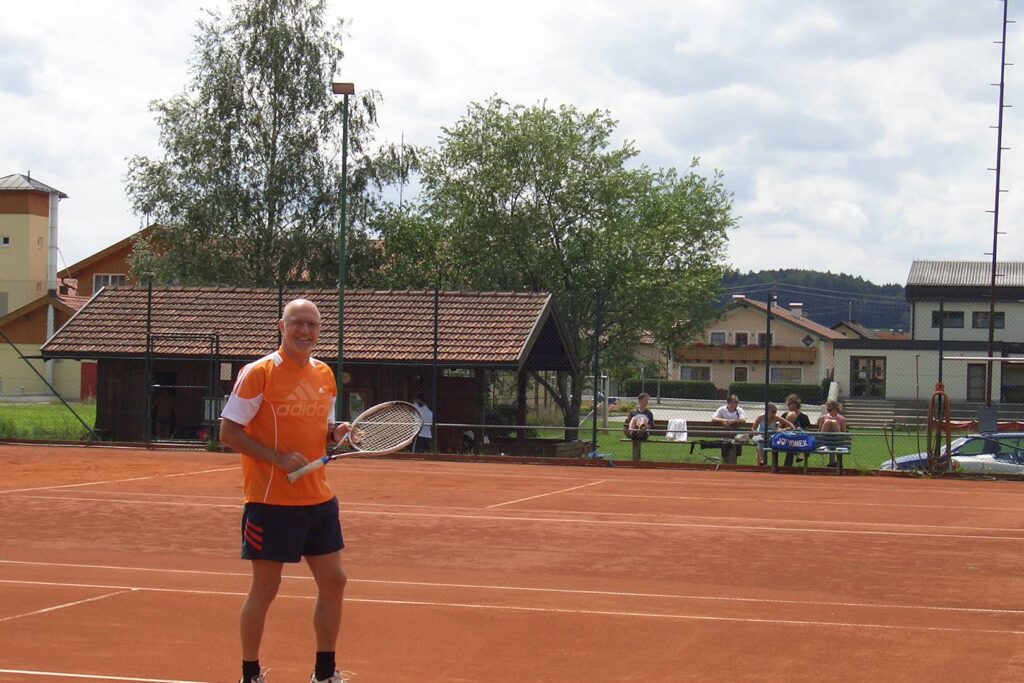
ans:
x=28 y=240
x=732 y=347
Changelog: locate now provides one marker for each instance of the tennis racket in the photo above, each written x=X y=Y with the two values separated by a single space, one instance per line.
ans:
x=383 y=428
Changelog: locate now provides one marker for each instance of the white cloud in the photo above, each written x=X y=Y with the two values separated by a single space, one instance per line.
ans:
x=853 y=132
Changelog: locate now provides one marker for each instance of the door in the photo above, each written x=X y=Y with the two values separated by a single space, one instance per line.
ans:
x=867 y=377
x=976 y=382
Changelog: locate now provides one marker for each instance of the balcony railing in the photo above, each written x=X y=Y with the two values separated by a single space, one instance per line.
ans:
x=745 y=354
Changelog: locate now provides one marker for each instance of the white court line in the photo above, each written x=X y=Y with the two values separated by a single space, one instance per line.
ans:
x=114 y=481
x=691 y=617
x=524 y=589
x=681 y=525
x=604 y=520
x=67 y=604
x=542 y=495
x=693 y=477
x=578 y=612
x=348 y=505
x=798 y=501
x=94 y=677
x=147 y=503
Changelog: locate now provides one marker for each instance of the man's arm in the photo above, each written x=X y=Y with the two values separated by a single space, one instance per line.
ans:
x=234 y=436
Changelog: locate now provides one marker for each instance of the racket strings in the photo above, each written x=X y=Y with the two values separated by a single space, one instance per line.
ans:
x=388 y=428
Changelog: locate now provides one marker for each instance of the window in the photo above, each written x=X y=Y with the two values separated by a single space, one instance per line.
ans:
x=786 y=375
x=107 y=280
x=5 y=241
x=742 y=339
x=979 y=320
x=950 y=319
x=718 y=338
x=763 y=339
x=740 y=373
x=695 y=373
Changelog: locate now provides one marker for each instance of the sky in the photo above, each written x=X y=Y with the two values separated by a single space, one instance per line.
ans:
x=855 y=137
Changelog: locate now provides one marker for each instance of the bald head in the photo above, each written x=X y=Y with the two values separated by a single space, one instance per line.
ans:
x=296 y=305
x=300 y=329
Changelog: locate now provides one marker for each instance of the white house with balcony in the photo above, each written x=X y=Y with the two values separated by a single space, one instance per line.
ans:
x=732 y=347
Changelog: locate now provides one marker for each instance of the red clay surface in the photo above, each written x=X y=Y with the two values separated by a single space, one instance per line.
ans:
x=123 y=565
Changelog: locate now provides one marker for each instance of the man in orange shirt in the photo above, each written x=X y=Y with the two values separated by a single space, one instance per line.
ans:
x=280 y=416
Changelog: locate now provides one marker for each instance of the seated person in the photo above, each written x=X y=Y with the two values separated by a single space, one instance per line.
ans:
x=800 y=420
x=831 y=422
x=639 y=420
x=774 y=422
x=730 y=416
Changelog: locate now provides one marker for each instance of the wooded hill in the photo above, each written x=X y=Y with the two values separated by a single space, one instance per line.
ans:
x=828 y=298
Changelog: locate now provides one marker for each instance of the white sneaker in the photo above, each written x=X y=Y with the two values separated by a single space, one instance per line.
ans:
x=262 y=678
x=336 y=677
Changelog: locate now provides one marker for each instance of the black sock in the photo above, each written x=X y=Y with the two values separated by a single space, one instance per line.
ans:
x=250 y=670
x=324 y=665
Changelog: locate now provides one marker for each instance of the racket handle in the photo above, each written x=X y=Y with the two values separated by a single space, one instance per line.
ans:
x=306 y=469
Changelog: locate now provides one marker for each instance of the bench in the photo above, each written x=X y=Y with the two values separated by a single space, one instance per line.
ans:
x=699 y=433
x=833 y=445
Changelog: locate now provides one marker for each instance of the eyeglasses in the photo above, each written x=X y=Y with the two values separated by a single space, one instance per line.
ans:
x=311 y=324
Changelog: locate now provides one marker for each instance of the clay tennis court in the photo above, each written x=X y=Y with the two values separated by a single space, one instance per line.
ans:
x=121 y=565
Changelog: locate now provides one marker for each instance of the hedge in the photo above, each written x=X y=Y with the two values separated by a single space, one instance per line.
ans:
x=777 y=393
x=669 y=388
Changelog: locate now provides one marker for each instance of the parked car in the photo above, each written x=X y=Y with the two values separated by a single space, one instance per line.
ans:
x=984 y=453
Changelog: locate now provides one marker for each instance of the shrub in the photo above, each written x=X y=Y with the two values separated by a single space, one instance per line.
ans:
x=669 y=388
x=777 y=393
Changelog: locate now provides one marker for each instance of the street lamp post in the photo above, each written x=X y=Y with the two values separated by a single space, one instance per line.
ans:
x=343 y=89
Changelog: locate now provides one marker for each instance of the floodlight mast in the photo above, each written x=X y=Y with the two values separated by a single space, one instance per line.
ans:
x=995 y=209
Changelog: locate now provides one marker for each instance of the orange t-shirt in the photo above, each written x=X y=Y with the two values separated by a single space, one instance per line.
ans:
x=288 y=408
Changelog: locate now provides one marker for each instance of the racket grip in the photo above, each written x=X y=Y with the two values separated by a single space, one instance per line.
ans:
x=306 y=469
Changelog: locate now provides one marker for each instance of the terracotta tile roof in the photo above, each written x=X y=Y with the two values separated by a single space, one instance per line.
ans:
x=73 y=301
x=804 y=323
x=380 y=326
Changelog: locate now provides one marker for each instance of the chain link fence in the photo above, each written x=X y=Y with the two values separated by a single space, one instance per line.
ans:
x=558 y=394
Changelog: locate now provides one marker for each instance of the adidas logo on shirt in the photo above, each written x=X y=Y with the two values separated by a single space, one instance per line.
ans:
x=303 y=401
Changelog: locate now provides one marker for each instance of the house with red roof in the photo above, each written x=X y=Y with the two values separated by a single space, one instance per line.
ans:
x=732 y=347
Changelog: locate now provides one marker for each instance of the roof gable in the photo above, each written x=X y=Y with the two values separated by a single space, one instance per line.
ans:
x=780 y=313
x=126 y=245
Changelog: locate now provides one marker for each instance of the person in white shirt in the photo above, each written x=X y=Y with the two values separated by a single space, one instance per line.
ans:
x=730 y=416
x=423 y=439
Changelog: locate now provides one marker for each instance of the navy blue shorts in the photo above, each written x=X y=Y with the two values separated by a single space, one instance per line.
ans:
x=285 y=533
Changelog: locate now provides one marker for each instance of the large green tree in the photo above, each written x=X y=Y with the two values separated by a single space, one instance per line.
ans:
x=537 y=198
x=246 y=189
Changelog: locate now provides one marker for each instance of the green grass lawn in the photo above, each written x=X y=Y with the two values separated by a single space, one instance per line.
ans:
x=45 y=421
x=869 y=447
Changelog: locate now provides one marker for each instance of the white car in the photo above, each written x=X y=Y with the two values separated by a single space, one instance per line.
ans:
x=986 y=453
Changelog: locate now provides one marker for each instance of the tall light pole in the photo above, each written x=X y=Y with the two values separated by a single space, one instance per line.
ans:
x=343 y=89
